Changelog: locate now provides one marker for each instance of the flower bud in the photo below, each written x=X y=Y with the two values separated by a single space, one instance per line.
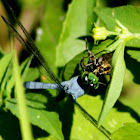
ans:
x=99 y=33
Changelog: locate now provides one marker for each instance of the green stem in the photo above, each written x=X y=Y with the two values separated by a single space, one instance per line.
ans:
x=19 y=90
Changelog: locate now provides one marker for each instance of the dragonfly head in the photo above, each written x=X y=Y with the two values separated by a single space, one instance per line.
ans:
x=90 y=79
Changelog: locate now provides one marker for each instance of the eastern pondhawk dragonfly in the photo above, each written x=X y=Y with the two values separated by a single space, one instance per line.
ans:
x=73 y=87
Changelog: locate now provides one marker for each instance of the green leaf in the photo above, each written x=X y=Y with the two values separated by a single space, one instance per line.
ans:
x=11 y=80
x=25 y=67
x=133 y=66
x=133 y=100
x=128 y=17
x=131 y=90
x=29 y=103
x=32 y=74
x=50 y=29
x=78 y=22
x=39 y=98
x=115 y=87
x=127 y=132
x=134 y=54
x=48 y=121
x=101 y=47
x=4 y=63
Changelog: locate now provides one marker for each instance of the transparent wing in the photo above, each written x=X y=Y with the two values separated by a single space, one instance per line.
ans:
x=30 y=46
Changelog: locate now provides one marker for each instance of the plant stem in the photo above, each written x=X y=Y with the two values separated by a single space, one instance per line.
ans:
x=19 y=90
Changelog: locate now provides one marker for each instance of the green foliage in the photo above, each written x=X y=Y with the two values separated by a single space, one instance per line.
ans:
x=128 y=16
x=134 y=54
x=118 y=64
x=4 y=64
x=51 y=119
x=127 y=132
x=78 y=22
x=114 y=89
x=45 y=120
x=51 y=26
x=93 y=105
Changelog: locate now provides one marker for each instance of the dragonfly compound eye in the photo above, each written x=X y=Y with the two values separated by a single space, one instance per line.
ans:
x=93 y=78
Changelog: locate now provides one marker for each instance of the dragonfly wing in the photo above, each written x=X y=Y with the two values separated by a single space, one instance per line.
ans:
x=71 y=87
x=31 y=47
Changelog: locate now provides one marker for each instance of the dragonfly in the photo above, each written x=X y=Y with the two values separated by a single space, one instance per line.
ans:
x=96 y=66
x=73 y=87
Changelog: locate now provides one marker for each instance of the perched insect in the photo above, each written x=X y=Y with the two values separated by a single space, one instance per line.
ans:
x=73 y=87
x=97 y=66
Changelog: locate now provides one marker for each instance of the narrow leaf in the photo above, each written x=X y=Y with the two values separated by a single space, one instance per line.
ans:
x=115 y=86
x=28 y=74
x=11 y=81
x=4 y=63
x=31 y=75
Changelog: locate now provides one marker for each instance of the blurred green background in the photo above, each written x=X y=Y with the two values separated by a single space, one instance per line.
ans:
x=44 y=19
